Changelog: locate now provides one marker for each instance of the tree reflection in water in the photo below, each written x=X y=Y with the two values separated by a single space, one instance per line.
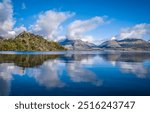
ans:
x=48 y=70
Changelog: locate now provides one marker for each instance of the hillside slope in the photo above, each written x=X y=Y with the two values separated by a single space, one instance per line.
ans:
x=29 y=42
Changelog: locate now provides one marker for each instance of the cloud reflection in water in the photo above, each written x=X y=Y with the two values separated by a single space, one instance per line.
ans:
x=78 y=68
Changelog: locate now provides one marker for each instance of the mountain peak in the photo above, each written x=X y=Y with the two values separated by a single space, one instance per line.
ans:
x=110 y=44
x=126 y=44
x=24 y=34
x=76 y=44
x=26 y=41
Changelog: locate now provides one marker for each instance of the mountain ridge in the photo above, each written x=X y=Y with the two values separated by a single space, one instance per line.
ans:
x=26 y=41
x=126 y=44
x=77 y=44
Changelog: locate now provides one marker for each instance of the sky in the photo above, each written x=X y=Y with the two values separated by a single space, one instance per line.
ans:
x=89 y=20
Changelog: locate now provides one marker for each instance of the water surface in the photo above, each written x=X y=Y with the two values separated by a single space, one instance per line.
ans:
x=74 y=73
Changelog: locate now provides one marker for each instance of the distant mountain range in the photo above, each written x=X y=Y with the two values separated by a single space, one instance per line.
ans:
x=31 y=42
x=77 y=44
x=125 y=44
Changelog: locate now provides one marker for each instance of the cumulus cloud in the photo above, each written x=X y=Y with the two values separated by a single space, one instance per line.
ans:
x=19 y=30
x=49 y=23
x=6 y=18
x=77 y=28
x=7 y=21
x=137 y=31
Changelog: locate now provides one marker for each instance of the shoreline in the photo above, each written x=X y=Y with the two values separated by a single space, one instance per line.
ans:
x=71 y=52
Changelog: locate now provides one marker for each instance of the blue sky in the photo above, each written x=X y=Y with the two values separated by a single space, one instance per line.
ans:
x=116 y=15
x=125 y=10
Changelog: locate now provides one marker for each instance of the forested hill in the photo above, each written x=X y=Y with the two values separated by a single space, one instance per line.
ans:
x=28 y=42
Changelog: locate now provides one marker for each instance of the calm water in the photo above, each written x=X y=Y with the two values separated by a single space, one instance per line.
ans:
x=74 y=73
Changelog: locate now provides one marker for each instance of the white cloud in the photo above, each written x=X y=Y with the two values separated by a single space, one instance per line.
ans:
x=88 y=38
x=49 y=23
x=19 y=30
x=137 y=31
x=113 y=38
x=77 y=28
x=7 y=21
x=6 y=18
x=23 y=6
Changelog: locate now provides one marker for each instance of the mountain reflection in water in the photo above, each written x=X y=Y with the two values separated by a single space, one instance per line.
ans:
x=100 y=73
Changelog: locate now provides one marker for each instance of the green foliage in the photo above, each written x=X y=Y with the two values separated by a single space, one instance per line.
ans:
x=29 y=42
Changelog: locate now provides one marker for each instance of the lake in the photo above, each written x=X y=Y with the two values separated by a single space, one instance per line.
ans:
x=75 y=73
